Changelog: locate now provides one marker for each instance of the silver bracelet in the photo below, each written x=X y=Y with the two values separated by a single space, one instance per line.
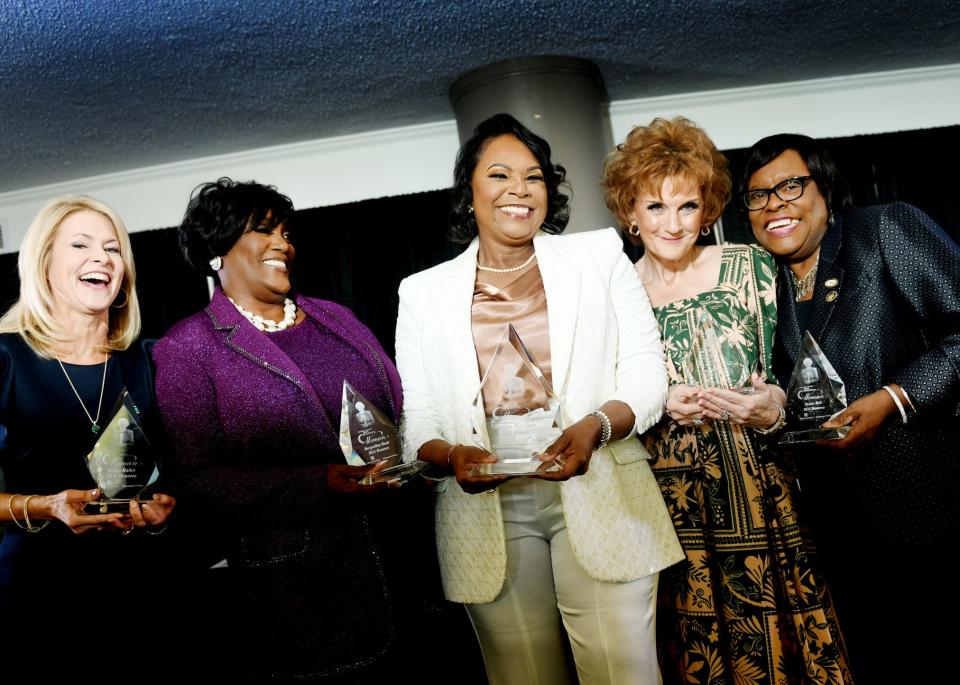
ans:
x=606 y=428
x=896 y=401
x=776 y=425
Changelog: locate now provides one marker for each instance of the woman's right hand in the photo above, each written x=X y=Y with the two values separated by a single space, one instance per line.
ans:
x=344 y=479
x=682 y=404
x=67 y=507
x=463 y=458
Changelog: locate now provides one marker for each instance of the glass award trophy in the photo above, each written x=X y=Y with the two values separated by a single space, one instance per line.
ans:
x=367 y=436
x=122 y=462
x=713 y=361
x=526 y=416
x=815 y=395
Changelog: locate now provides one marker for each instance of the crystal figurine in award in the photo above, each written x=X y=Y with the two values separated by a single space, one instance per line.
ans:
x=524 y=413
x=122 y=462
x=713 y=361
x=815 y=395
x=367 y=436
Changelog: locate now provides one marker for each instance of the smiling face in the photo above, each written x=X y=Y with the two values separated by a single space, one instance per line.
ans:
x=791 y=230
x=85 y=269
x=255 y=270
x=669 y=222
x=509 y=193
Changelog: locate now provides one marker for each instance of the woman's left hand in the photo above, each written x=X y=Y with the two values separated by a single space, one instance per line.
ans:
x=151 y=513
x=865 y=417
x=759 y=408
x=572 y=450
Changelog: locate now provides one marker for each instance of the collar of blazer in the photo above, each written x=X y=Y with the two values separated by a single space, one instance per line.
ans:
x=242 y=337
x=825 y=298
x=560 y=270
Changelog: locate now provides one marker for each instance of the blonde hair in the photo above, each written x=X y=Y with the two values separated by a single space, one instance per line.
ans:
x=32 y=315
x=663 y=149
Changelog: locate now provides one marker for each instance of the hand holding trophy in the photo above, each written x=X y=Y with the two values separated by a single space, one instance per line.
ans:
x=123 y=462
x=815 y=395
x=516 y=413
x=367 y=436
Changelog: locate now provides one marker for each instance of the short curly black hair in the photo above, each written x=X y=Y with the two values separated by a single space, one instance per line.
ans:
x=220 y=212
x=463 y=225
x=831 y=184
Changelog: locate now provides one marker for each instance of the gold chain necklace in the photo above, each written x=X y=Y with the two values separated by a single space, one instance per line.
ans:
x=805 y=284
x=94 y=428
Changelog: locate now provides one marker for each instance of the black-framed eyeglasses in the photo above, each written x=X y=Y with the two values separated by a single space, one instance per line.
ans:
x=788 y=189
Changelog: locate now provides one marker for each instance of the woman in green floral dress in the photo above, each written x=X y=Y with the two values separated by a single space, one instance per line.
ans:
x=746 y=606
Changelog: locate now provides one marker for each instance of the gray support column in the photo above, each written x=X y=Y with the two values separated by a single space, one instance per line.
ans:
x=563 y=100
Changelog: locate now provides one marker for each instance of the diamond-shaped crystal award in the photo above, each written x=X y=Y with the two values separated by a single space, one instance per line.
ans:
x=122 y=462
x=712 y=361
x=815 y=395
x=525 y=418
x=368 y=436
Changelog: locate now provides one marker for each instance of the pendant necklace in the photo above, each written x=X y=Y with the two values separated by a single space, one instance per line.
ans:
x=94 y=426
x=805 y=284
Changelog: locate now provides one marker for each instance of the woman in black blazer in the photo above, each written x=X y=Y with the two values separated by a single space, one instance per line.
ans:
x=879 y=290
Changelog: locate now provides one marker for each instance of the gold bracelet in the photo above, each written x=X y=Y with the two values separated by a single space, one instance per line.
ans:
x=30 y=528
x=777 y=425
x=13 y=517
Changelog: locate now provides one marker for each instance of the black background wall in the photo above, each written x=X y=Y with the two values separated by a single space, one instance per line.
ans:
x=358 y=253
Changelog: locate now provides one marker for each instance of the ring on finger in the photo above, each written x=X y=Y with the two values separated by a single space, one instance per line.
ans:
x=726 y=415
x=697 y=421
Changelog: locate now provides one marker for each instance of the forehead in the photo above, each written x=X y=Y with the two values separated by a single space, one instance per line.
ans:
x=669 y=187
x=506 y=150
x=787 y=164
x=88 y=222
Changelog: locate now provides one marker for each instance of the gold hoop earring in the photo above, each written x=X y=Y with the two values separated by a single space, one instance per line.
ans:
x=704 y=230
x=126 y=299
x=634 y=230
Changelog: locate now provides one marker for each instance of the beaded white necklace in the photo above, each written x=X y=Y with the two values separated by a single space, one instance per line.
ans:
x=269 y=325
x=511 y=269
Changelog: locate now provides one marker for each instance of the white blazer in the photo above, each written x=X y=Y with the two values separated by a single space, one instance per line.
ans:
x=604 y=345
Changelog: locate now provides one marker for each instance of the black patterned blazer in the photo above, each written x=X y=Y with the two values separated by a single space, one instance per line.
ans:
x=886 y=309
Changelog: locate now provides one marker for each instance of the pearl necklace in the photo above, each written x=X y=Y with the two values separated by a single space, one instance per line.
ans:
x=268 y=325
x=805 y=284
x=511 y=269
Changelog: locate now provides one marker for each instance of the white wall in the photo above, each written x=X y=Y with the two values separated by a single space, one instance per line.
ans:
x=420 y=158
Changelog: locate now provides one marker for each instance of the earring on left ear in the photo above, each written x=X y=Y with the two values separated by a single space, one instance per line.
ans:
x=470 y=209
x=634 y=230
x=704 y=230
x=216 y=263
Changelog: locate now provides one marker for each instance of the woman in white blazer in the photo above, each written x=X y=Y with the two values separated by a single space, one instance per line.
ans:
x=570 y=555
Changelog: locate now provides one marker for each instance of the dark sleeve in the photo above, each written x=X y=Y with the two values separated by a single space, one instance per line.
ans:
x=924 y=265
x=199 y=463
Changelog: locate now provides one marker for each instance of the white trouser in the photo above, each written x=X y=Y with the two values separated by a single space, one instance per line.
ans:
x=610 y=626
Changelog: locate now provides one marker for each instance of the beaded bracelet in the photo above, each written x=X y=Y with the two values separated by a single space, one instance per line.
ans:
x=606 y=428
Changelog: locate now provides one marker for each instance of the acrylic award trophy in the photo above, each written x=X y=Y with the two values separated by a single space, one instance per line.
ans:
x=815 y=395
x=526 y=416
x=367 y=436
x=122 y=462
x=713 y=361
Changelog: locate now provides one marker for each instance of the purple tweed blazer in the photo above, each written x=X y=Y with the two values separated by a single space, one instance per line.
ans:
x=249 y=443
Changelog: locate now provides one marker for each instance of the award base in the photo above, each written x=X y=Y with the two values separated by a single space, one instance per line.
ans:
x=400 y=473
x=108 y=506
x=515 y=467
x=813 y=434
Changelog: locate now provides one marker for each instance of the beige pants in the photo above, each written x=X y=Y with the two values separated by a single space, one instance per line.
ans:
x=547 y=598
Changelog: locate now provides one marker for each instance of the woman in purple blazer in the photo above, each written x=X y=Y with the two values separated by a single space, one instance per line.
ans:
x=250 y=391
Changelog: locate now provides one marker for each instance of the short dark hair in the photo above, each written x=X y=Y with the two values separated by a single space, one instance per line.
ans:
x=824 y=170
x=220 y=212
x=463 y=225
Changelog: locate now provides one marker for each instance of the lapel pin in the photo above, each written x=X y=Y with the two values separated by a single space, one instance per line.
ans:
x=832 y=295
x=831 y=282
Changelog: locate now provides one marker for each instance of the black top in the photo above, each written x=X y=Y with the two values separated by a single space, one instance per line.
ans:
x=47 y=436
